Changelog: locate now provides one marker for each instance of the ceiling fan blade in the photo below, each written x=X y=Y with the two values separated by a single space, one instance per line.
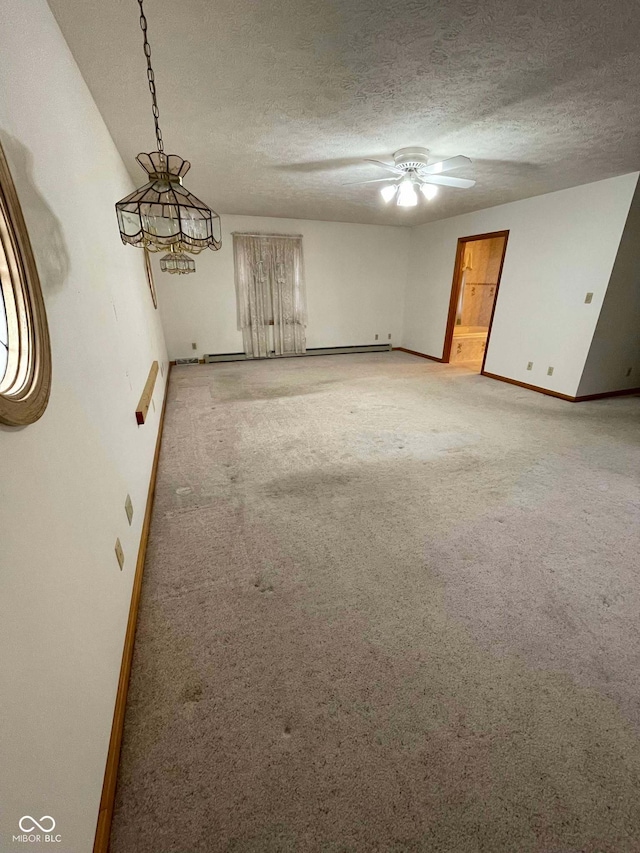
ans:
x=445 y=181
x=375 y=181
x=390 y=166
x=446 y=165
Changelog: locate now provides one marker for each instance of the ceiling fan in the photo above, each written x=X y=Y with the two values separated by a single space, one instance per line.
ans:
x=412 y=172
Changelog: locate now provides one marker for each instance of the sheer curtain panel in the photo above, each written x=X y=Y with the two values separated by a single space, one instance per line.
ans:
x=269 y=275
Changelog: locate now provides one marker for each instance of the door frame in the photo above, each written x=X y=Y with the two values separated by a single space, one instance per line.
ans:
x=455 y=291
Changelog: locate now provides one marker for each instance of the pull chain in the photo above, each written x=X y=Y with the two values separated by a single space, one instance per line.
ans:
x=152 y=80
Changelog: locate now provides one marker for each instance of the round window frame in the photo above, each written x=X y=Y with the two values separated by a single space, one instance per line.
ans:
x=26 y=384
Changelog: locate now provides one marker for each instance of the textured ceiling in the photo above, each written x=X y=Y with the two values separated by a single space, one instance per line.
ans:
x=275 y=103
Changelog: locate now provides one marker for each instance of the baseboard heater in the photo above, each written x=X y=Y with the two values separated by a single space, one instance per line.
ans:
x=240 y=356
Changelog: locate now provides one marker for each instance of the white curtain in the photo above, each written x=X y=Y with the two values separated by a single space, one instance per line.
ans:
x=270 y=291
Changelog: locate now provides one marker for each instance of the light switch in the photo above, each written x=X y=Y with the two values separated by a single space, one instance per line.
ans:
x=588 y=298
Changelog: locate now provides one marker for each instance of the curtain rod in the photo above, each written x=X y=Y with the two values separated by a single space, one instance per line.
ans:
x=245 y=234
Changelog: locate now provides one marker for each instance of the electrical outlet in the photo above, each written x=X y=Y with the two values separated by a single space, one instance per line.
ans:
x=389 y=336
x=529 y=365
x=628 y=373
x=128 y=508
x=376 y=337
x=588 y=298
x=550 y=371
x=194 y=345
x=119 y=554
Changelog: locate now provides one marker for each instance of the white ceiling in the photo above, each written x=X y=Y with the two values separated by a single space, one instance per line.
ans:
x=275 y=103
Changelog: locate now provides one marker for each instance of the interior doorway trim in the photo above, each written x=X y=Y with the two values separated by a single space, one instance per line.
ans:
x=455 y=291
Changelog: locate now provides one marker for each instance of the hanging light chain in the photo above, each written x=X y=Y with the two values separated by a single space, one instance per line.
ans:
x=152 y=80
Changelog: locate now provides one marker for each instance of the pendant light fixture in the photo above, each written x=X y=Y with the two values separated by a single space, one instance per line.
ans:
x=177 y=263
x=163 y=215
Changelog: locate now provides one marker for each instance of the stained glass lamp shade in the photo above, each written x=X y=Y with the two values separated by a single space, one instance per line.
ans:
x=163 y=214
x=177 y=263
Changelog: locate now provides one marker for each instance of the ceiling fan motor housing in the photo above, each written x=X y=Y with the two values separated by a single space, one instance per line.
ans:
x=411 y=159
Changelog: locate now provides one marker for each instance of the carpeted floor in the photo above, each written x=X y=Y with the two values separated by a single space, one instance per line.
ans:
x=388 y=606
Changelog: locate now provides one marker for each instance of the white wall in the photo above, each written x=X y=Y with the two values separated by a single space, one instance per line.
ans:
x=64 y=479
x=615 y=348
x=561 y=246
x=355 y=278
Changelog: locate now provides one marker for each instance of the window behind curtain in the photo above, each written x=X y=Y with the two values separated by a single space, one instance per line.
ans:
x=269 y=273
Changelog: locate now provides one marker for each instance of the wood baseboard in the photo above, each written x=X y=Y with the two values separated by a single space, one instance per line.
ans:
x=420 y=354
x=529 y=387
x=626 y=392
x=105 y=814
x=581 y=399
x=557 y=394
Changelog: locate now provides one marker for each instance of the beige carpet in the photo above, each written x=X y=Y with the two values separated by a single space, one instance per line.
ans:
x=388 y=606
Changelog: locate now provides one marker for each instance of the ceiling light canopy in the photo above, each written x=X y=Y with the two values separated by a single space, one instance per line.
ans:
x=163 y=215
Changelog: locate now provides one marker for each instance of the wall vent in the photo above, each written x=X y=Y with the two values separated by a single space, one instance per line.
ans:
x=240 y=356
x=187 y=360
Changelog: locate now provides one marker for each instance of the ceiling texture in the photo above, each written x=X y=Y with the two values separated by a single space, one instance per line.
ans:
x=276 y=102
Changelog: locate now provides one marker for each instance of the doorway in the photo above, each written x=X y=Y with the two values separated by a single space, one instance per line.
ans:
x=476 y=279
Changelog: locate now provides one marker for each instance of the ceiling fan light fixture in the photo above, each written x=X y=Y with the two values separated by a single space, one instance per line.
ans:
x=407 y=196
x=388 y=192
x=414 y=174
x=429 y=191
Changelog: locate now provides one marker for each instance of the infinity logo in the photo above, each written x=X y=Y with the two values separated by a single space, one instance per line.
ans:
x=32 y=823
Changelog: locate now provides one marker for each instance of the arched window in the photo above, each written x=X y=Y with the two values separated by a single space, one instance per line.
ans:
x=25 y=354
